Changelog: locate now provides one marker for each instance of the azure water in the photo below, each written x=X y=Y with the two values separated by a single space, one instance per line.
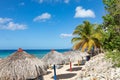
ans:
x=36 y=52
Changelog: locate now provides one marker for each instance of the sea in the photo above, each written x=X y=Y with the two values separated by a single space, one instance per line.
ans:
x=36 y=52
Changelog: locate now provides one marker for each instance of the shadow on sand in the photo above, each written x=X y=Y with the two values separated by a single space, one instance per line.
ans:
x=65 y=76
x=75 y=69
x=38 y=78
x=78 y=65
x=48 y=72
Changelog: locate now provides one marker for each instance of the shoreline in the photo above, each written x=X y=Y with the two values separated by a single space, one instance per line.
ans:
x=39 y=53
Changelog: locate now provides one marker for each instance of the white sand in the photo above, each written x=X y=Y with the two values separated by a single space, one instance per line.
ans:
x=63 y=73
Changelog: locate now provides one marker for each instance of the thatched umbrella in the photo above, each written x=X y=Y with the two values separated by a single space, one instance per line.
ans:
x=1 y=59
x=74 y=55
x=21 y=66
x=53 y=57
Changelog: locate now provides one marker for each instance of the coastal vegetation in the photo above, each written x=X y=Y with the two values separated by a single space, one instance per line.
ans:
x=114 y=56
x=106 y=36
x=112 y=27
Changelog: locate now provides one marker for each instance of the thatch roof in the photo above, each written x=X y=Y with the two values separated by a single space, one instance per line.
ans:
x=21 y=66
x=74 y=55
x=1 y=59
x=53 y=57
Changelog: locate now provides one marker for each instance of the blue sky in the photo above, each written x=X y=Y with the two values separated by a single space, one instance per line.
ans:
x=44 y=24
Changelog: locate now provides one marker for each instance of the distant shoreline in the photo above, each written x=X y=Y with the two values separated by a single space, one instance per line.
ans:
x=36 y=52
x=39 y=49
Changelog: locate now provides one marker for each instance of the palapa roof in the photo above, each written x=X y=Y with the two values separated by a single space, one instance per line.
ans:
x=21 y=66
x=53 y=57
x=74 y=55
x=1 y=59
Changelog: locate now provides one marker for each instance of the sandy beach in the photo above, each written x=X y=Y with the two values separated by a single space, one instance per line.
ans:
x=64 y=73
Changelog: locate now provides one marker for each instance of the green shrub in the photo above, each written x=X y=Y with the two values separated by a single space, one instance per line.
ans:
x=114 y=56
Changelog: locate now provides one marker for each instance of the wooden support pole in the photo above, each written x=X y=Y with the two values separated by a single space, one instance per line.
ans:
x=55 y=77
x=78 y=62
x=70 y=66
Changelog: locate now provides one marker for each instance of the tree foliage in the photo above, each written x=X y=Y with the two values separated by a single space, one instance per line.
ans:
x=114 y=56
x=88 y=36
x=112 y=24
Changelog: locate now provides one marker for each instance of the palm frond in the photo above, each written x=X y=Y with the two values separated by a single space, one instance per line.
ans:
x=97 y=36
x=97 y=42
x=85 y=45
x=90 y=44
x=76 y=32
x=88 y=36
x=77 y=45
x=75 y=39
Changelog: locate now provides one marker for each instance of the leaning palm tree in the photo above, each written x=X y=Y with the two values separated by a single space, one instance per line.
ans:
x=88 y=37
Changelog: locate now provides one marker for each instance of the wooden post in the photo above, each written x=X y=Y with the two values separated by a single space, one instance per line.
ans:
x=78 y=62
x=50 y=67
x=55 y=78
x=70 y=66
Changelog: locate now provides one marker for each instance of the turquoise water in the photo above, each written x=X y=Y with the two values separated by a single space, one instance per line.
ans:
x=37 y=53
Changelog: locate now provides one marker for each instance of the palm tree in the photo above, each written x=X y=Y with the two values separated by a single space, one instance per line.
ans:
x=88 y=36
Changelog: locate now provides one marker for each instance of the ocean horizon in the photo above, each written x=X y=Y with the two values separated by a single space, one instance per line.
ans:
x=36 y=52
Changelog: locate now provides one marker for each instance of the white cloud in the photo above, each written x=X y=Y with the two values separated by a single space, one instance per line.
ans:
x=63 y=35
x=8 y=24
x=82 y=13
x=15 y=26
x=4 y=20
x=66 y=1
x=53 y=1
x=43 y=17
